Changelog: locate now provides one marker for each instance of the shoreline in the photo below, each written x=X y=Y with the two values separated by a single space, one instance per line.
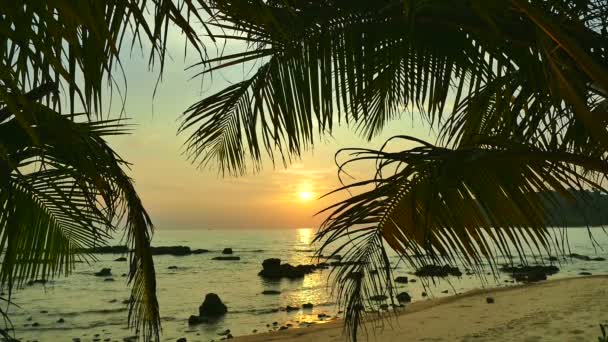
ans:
x=566 y=309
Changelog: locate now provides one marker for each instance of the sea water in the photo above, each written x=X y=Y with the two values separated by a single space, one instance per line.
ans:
x=92 y=309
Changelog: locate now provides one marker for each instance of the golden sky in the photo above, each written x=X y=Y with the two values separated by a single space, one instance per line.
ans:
x=180 y=196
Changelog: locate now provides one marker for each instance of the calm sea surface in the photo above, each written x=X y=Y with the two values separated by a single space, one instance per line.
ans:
x=91 y=306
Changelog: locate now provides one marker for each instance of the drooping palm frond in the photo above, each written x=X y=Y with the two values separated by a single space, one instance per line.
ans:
x=67 y=191
x=78 y=43
x=368 y=62
x=435 y=206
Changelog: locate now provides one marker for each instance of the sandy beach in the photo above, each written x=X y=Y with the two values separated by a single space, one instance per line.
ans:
x=558 y=310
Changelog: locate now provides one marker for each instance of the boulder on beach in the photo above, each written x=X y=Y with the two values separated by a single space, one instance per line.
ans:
x=437 y=271
x=490 y=300
x=404 y=297
x=289 y=308
x=307 y=306
x=273 y=269
x=402 y=280
x=227 y=258
x=193 y=320
x=212 y=306
x=104 y=272
x=120 y=259
x=227 y=251
x=530 y=273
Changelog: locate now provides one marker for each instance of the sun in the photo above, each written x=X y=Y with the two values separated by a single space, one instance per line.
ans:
x=306 y=195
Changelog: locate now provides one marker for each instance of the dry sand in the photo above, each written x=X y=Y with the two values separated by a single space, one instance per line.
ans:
x=558 y=310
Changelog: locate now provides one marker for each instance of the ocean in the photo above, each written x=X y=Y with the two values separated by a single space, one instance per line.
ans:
x=92 y=309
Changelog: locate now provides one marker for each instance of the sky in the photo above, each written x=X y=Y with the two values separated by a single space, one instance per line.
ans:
x=178 y=195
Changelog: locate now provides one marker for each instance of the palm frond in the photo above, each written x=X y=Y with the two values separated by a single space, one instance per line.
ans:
x=469 y=206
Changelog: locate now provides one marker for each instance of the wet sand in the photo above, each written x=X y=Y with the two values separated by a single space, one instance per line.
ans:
x=559 y=310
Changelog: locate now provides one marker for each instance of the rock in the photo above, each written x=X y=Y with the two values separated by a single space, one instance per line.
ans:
x=200 y=251
x=437 y=271
x=105 y=272
x=182 y=339
x=553 y=258
x=224 y=333
x=172 y=267
x=76 y=339
x=44 y=312
x=171 y=250
x=585 y=273
x=227 y=258
x=212 y=306
x=289 y=308
x=61 y=320
x=104 y=250
x=378 y=297
x=423 y=294
x=346 y=263
x=490 y=300
x=193 y=320
x=404 y=297
x=229 y=336
x=35 y=324
x=254 y=331
x=120 y=259
x=530 y=273
x=36 y=281
x=322 y=316
x=227 y=251
x=271 y=292
x=283 y=328
x=402 y=280
x=109 y=279
x=445 y=291
x=598 y=259
x=412 y=280
x=275 y=323
x=307 y=306
x=273 y=269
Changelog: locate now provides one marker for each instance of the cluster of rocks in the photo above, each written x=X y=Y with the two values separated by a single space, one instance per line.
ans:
x=586 y=258
x=530 y=273
x=161 y=250
x=438 y=271
x=273 y=269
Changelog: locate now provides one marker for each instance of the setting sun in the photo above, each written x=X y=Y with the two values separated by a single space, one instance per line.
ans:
x=305 y=195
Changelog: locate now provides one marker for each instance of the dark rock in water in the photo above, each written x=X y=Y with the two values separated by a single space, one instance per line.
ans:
x=424 y=294
x=224 y=333
x=322 y=316
x=227 y=251
x=229 y=336
x=271 y=292
x=194 y=320
x=123 y=275
x=109 y=279
x=445 y=291
x=553 y=258
x=412 y=280
x=283 y=328
x=402 y=280
x=130 y=339
x=171 y=250
x=76 y=339
x=586 y=258
x=105 y=272
x=182 y=339
x=120 y=259
x=530 y=273
x=346 y=263
x=61 y=320
x=44 y=311
x=289 y=308
x=585 y=273
x=490 y=300
x=37 y=281
x=438 y=271
x=307 y=306
x=172 y=267
x=105 y=250
x=273 y=269
x=227 y=258
x=404 y=297
x=35 y=324
x=200 y=251
x=378 y=297
x=212 y=306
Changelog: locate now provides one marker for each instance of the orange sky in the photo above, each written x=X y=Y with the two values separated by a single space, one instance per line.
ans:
x=178 y=196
